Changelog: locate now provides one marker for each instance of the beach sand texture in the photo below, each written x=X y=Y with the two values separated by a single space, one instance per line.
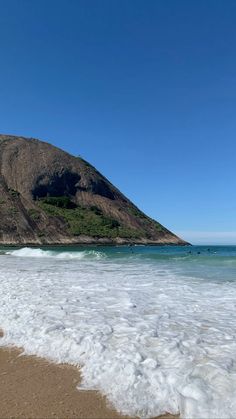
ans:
x=31 y=387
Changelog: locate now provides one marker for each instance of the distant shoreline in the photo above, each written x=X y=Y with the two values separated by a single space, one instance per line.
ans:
x=95 y=245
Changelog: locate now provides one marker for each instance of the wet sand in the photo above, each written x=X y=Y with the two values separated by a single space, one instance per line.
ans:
x=31 y=387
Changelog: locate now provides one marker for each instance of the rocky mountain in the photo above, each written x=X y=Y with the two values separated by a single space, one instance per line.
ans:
x=48 y=196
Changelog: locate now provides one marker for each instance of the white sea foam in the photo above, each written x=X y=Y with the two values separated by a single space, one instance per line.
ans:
x=28 y=252
x=149 y=338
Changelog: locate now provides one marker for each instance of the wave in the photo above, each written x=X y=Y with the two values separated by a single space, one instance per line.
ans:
x=148 y=337
x=28 y=252
x=183 y=260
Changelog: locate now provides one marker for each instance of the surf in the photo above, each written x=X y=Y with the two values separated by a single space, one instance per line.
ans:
x=154 y=337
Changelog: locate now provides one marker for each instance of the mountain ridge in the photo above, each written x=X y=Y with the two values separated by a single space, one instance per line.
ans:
x=51 y=197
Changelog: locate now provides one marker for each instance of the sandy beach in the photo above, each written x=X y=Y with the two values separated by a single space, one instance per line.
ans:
x=31 y=387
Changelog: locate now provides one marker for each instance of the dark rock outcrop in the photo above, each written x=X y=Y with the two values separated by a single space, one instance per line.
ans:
x=48 y=196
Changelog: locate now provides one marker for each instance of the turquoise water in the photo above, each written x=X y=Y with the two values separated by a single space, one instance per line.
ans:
x=153 y=328
x=207 y=262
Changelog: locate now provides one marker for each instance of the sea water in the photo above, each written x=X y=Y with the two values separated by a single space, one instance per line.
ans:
x=152 y=328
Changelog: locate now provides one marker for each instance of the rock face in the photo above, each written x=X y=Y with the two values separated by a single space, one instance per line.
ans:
x=50 y=197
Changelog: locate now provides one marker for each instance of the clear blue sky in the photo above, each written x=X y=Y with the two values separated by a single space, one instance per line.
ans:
x=144 y=90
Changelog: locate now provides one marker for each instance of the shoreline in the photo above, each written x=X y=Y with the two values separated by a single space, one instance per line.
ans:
x=57 y=245
x=94 y=244
x=32 y=387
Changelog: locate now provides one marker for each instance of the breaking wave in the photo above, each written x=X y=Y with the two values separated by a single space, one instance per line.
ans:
x=28 y=252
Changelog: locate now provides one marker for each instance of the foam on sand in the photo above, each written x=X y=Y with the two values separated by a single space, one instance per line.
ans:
x=150 y=338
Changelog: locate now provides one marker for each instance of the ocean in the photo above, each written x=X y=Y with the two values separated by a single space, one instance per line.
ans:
x=152 y=328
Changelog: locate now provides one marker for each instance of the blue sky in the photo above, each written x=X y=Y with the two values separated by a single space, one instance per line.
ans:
x=144 y=90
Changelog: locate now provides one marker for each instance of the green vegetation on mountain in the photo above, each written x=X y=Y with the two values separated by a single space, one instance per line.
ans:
x=86 y=221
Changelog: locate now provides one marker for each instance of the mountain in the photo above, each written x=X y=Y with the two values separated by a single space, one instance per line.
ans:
x=48 y=196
